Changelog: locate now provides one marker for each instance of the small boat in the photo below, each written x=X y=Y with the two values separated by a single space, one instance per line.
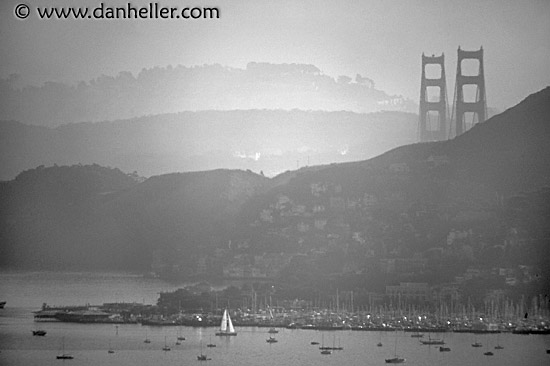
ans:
x=2 y=304
x=271 y=340
x=210 y=345
x=395 y=360
x=178 y=343
x=314 y=343
x=63 y=355
x=431 y=341
x=379 y=344
x=273 y=331
x=202 y=356
x=326 y=352
x=488 y=353
x=39 y=333
x=165 y=348
x=444 y=349
x=147 y=340
x=477 y=344
x=226 y=326
x=417 y=335
x=499 y=347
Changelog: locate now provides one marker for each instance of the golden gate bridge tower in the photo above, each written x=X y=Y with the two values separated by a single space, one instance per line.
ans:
x=436 y=129
x=469 y=105
x=476 y=105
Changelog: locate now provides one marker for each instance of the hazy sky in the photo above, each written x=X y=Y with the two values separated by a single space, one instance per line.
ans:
x=380 y=39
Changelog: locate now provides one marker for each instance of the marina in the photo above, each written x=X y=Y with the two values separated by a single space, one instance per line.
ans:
x=88 y=343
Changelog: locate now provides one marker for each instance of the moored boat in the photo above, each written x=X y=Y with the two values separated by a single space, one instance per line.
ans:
x=395 y=360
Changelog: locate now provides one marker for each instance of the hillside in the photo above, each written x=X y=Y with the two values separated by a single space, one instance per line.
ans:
x=271 y=141
x=422 y=212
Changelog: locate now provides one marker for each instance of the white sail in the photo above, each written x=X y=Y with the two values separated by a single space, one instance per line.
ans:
x=230 y=324
x=223 y=326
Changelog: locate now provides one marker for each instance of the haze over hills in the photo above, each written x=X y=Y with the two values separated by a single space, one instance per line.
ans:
x=271 y=141
x=436 y=208
x=209 y=87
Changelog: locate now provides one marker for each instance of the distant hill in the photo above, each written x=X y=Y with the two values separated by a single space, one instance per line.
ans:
x=170 y=89
x=271 y=141
x=96 y=217
x=481 y=198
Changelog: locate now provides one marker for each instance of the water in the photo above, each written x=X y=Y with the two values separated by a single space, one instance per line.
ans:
x=88 y=343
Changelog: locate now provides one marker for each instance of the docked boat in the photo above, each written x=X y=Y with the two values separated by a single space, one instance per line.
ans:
x=226 y=326
x=39 y=333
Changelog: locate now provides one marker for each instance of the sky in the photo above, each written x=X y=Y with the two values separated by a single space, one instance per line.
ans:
x=380 y=39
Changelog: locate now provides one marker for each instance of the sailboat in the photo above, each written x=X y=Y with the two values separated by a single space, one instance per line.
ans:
x=272 y=330
x=325 y=350
x=165 y=348
x=226 y=326
x=202 y=356
x=111 y=350
x=147 y=340
x=395 y=358
x=63 y=355
x=498 y=346
x=210 y=344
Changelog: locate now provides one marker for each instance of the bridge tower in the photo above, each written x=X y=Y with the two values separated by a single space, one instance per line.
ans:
x=477 y=106
x=436 y=129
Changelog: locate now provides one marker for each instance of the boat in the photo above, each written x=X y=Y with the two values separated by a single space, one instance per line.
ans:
x=314 y=343
x=271 y=340
x=110 y=350
x=210 y=345
x=326 y=352
x=39 y=333
x=444 y=349
x=202 y=356
x=180 y=337
x=499 y=347
x=63 y=355
x=477 y=344
x=2 y=304
x=147 y=340
x=226 y=326
x=273 y=331
x=395 y=360
x=379 y=344
x=165 y=348
x=434 y=341
x=417 y=335
x=488 y=353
